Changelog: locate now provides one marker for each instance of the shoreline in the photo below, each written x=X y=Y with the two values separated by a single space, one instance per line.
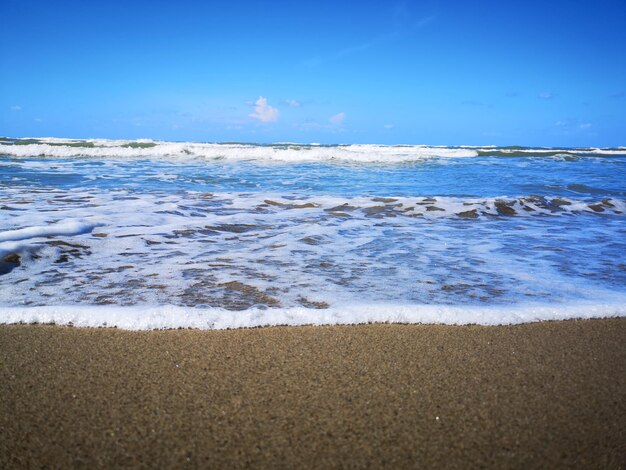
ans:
x=170 y=317
x=391 y=395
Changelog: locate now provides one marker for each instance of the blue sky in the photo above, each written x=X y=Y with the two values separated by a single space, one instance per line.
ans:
x=424 y=72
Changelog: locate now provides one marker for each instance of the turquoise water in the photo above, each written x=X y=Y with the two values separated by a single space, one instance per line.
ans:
x=589 y=176
x=321 y=229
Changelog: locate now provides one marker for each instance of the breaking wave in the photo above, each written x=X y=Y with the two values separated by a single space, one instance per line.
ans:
x=284 y=152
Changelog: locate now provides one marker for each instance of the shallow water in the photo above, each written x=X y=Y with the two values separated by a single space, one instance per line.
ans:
x=245 y=233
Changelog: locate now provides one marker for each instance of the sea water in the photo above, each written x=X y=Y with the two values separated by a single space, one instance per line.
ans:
x=146 y=234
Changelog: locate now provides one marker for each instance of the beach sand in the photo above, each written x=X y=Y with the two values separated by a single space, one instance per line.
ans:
x=548 y=394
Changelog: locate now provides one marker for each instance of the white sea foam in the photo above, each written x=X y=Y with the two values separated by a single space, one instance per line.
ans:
x=240 y=250
x=170 y=317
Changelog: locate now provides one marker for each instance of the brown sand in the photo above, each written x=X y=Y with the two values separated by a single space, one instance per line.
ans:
x=539 y=395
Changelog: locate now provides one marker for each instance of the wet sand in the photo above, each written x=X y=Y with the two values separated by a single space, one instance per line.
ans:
x=540 y=395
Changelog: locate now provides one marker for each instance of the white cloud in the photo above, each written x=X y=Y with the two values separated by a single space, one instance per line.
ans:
x=568 y=126
x=16 y=108
x=388 y=126
x=546 y=95
x=337 y=119
x=293 y=103
x=263 y=111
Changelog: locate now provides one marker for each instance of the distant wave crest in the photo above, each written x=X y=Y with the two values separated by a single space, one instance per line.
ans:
x=60 y=148
x=283 y=152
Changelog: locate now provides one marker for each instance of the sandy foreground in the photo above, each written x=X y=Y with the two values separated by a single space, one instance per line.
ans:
x=548 y=394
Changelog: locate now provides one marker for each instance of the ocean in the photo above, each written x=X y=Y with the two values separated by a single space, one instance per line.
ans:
x=148 y=234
